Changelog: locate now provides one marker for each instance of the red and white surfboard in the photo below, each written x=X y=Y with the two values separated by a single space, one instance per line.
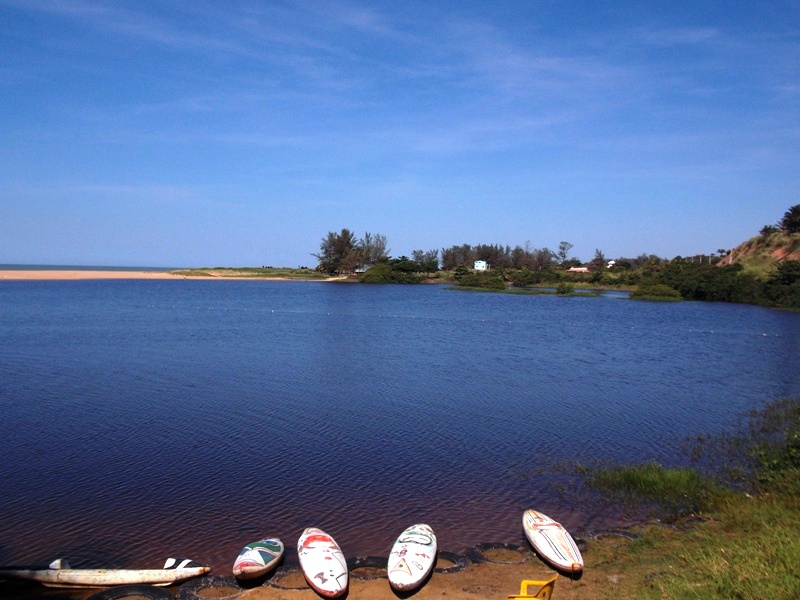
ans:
x=322 y=562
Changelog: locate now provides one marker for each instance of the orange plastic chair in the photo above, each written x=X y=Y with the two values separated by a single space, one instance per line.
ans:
x=544 y=591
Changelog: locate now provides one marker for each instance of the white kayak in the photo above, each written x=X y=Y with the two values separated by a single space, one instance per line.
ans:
x=322 y=562
x=60 y=575
x=552 y=541
x=411 y=557
x=258 y=558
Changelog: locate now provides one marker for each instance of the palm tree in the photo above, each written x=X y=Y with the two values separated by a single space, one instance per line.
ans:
x=791 y=220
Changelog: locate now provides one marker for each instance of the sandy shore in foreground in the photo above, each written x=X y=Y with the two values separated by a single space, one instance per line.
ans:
x=475 y=582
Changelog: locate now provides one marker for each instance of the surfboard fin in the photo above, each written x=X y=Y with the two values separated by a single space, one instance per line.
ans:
x=59 y=563
x=180 y=563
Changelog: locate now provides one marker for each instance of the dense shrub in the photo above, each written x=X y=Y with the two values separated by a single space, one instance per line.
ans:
x=523 y=278
x=710 y=283
x=656 y=291
x=565 y=289
x=483 y=279
x=385 y=273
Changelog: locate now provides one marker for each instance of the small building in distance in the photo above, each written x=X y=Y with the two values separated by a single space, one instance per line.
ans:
x=481 y=265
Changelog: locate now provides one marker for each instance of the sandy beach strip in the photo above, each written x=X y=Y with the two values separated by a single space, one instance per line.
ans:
x=65 y=274
x=78 y=274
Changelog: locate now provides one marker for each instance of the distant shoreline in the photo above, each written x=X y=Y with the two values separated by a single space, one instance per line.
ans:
x=67 y=274
x=71 y=274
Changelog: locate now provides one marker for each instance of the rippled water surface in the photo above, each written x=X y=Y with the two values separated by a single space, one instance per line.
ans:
x=142 y=419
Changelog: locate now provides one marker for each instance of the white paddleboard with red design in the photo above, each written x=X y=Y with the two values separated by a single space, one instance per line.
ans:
x=552 y=541
x=411 y=558
x=258 y=558
x=322 y=562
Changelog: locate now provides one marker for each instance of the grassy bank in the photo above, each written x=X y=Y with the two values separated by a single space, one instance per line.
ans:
x=719 y=537
x=746 y=547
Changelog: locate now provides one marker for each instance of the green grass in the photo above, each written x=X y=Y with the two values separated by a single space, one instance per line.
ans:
x=749 y=550
x=526 y=291
x=755 y=255
x=728 y=544
x=656 y=298
x=678 y=491
x=657 y=292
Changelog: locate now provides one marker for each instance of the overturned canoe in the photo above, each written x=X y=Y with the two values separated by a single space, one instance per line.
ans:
x=60 y=575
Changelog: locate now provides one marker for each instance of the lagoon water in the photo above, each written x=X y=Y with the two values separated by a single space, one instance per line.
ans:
x=148 y=418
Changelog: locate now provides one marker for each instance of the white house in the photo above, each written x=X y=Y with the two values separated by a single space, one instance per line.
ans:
x=481 y=265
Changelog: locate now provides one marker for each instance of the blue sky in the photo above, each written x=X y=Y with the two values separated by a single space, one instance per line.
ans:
x=238 y=133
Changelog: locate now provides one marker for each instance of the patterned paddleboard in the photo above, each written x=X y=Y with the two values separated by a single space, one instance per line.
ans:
x=552 y=541
x=411 y=558
x=258 y=558
x=322 y=562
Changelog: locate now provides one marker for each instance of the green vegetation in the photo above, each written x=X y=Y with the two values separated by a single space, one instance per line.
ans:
x=399 y=270
x=757 y=256
x=761 y=271
x=655 y=291
x=790 y=223
x=679 y=491
x=723 y=543
x=343 y=253
x=748 y=548
x=492 y=280
x=565 y=289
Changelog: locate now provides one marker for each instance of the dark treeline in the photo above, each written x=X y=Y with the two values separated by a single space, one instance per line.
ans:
x=344 y=252
x=500 y=257
x=731 y=283
x=694 y=278
x=665 y=279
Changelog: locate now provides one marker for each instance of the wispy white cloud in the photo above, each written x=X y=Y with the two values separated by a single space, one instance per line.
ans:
x=355 y=98
x=678 y=36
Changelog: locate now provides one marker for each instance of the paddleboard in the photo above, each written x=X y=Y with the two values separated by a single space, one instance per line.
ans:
x=322 y=562
x=258 y=558
x=552 y=541
x=60 y=575
x=411 y=558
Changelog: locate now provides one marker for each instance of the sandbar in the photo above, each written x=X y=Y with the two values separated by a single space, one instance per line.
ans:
x=58 y=274
x=77 y=274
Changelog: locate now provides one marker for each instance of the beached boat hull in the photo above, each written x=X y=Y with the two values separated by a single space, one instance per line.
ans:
x=552 y=542
x=59 y=574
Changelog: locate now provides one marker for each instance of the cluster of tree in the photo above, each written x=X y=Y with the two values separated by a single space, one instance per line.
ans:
x=790 y=223
x=393 y=270
x=522 y=267
x=729 y=283
x=343 y=253
x=505 y=257
x=674 y=279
